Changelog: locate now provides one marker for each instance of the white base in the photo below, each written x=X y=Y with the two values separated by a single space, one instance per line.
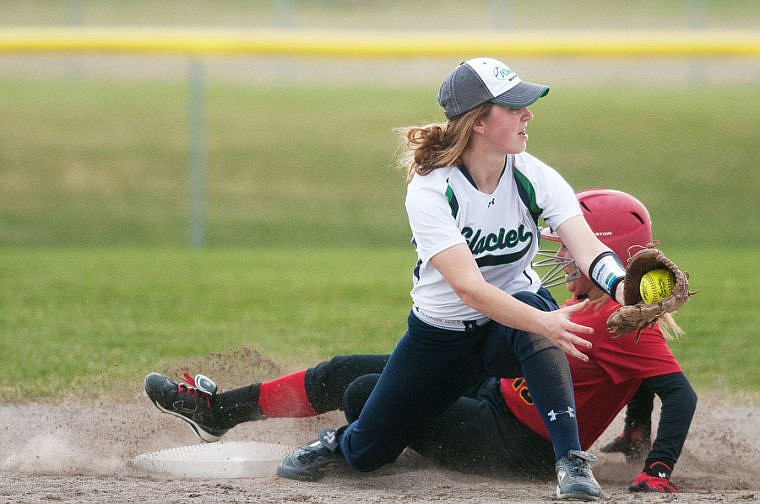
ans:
x=225 y=459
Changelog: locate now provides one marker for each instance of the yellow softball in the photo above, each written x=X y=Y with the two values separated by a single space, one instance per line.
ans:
x=656 y=285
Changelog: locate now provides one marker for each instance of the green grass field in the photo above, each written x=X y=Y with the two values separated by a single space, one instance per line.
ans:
x=308 y=250
x=88 y=319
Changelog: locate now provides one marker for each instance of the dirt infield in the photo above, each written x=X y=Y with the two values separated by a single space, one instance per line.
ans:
x=74 y=452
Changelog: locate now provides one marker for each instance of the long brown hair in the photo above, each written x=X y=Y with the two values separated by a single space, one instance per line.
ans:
x=439 y=144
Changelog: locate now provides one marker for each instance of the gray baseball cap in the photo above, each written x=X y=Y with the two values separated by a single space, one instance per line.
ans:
x=480 y=80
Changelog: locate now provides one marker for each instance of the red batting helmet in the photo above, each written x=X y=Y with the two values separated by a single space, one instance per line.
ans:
x=619 y=220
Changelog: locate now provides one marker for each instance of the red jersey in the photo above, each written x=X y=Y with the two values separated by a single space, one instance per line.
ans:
x=605 y=383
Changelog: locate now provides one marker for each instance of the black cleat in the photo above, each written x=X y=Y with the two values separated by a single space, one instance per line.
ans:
x=634 y=442
x=191 y=401
x=304 y=463
x=574 y=477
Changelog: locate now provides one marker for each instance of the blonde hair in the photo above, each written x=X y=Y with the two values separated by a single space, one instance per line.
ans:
x=439 y=144
x=666 y=323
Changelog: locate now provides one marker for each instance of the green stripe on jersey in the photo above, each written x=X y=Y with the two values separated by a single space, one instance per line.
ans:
x=527 y=194
x=453 y=203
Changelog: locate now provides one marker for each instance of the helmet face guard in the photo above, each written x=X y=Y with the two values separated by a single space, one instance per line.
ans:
x=555 y=273
x=619 y=220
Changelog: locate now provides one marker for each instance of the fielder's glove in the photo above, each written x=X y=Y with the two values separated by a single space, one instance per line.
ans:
x=635 y=314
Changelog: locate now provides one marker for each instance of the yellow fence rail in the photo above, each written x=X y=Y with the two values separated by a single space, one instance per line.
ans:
x=203 y=41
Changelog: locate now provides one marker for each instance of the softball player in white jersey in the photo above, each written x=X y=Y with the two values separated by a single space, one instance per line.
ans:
x=500 y=229
x=473 y=202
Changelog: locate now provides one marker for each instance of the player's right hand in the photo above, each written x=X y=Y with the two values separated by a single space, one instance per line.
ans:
x=564 y=333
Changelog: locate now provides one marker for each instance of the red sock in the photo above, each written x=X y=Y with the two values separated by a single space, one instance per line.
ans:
x=285 y=397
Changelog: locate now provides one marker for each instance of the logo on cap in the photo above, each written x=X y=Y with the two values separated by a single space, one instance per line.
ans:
x=503 y=73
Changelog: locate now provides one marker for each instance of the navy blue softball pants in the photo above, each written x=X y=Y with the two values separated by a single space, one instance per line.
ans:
x=431 y=368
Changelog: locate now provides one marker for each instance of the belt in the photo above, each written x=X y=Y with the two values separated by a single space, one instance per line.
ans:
x=453 y=325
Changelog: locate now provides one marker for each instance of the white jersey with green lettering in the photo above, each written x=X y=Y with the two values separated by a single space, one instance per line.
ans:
x=445 y=208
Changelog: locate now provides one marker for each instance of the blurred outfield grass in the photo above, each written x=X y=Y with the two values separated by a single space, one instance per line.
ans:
x=86 y=163
x=308 y=243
